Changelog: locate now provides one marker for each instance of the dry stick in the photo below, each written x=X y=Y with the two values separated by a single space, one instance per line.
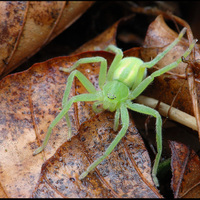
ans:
x=189 y=71
x=175 y=114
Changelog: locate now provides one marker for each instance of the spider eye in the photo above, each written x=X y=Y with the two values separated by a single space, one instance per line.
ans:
x=111 y=96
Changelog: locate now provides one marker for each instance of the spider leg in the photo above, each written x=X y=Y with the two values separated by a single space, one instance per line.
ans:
x=149 y=111
x=103 y=67
x=122 y=132
x=116 y=122
x=94 y=106
x=81 y=97
x=162 y=54
x=143 y=85
x=118 y=57
x=86 y=83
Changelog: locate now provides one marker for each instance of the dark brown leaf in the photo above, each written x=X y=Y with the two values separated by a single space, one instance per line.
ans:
x=185 y=164
x=27 y=26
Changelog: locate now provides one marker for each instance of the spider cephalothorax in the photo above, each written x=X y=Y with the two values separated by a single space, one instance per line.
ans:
x=125 y=80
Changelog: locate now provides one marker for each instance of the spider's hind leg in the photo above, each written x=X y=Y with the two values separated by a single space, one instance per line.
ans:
x=144 y=84
x=162 y=54
x=118 y=56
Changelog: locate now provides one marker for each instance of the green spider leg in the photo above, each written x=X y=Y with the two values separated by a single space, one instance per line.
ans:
x=94 y=106
x=103 y=67
x=162 y=54
x=116 y=122
x=117 y=113
x=118 y=56
x=81 y=97
x=89 y=87
x=143 y=85
x=86 y=83
x=122 y=132
x=150 y=111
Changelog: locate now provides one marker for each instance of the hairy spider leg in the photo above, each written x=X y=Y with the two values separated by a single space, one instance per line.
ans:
x=103 y=67
x=139 y=89
x=89 y=87
x=143 y=85
x=122 y=132
x=117 y=113
x=86 y=83
x=162 y=54
x=81 y=97
x=95 y=105
x=116 y=122
x=149 y=111
x=118 y=56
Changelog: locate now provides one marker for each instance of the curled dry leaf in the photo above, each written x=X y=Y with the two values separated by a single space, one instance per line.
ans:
x=29 y=101
x=185 y=166
x=27 y=26
x=165 y=87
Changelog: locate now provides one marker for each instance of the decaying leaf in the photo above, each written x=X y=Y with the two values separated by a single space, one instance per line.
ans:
x=185 y=166
x=27 y=26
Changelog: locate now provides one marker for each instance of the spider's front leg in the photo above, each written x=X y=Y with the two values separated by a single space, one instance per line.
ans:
x=65 y=104
x=150 y=111
x=122 y=132
x=81 y=97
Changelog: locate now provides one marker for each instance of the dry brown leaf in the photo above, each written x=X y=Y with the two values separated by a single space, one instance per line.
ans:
x=27 y=26
x=185 y=166
x=125 y=173
x=30 y=100
x=166 y=86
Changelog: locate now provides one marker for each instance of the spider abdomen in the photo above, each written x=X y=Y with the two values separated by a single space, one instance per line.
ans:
x=129 y=71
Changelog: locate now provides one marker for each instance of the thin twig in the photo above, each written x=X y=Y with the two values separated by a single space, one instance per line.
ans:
x=175 y=114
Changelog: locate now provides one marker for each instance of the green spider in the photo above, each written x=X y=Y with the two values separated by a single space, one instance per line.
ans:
x=125 y=80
